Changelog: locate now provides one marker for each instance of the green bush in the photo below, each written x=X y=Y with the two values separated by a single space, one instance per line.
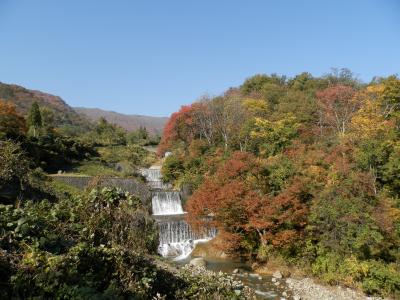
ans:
x=172 y=168
x=382 y=279
x=87 y=272
x=112 y=217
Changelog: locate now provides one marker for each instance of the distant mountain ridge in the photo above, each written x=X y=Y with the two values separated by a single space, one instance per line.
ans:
x=154 y=125
x=79 y=117
x=22 y=98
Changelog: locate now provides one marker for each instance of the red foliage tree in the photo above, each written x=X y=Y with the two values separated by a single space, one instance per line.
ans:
x=180 y=127
x=222 y=193
x=278 y=220
x=337 y=106
x=232 y=198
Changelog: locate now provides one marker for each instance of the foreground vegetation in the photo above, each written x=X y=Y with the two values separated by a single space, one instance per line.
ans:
x=57 y=242
x=304 y=168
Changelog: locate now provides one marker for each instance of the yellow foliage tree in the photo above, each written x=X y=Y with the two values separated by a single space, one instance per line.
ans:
x=274 y=136
x=370 y=120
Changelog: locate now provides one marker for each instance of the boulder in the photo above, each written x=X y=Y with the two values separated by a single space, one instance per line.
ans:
x=255 y=266
x=277 y=274
x=198 y=262
x=286 y=273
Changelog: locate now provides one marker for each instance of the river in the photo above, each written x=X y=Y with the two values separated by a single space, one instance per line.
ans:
x=177 y=240
x=263 y=285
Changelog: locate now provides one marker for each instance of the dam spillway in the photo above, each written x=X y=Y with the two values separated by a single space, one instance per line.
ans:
x=176 y=237
x=166 y=203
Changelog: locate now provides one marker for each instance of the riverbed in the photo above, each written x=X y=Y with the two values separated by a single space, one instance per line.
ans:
x=263 y=285
x=270 y=287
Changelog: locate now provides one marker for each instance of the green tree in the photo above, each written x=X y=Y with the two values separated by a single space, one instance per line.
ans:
x=35 y=118
x=110 y=134
x=14 y=170
x=47 y=119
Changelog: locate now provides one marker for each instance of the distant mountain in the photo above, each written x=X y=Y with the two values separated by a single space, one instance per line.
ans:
x=154 y=125
x=78 y=118
x=22 y=98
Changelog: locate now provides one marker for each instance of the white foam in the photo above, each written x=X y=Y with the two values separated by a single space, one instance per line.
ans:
x=180 y=250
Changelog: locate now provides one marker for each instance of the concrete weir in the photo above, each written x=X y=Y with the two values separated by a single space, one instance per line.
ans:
x=177 y=239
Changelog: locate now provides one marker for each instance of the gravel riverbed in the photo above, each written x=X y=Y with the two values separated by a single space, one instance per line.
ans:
x=307 y=289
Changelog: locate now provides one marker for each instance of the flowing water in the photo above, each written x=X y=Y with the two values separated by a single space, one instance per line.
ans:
x=262 y=284
x=166 y=203
x=177 y=239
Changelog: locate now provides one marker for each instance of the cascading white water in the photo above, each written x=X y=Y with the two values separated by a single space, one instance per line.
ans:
x=176 y=237
x=174 y=231
x=153 y=177
x=152 y=174
x=166 y=203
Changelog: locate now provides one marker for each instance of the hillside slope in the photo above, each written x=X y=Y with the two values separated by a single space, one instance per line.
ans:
x=64 y=115
x=154 y=125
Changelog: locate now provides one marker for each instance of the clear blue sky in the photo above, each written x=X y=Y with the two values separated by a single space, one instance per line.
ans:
x=150 y=57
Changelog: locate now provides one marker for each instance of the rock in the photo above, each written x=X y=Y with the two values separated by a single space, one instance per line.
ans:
x=198 y=262
x=260 y=278
x=286 y=273
x=255 y=266
x=296 y=297
x=284 y=294
x=277 y=274
x=238 y=292
x=236 y=271
x=254 y=275
x=276 y=283
x=273 y=279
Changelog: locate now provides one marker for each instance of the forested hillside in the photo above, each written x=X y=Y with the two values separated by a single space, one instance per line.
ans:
x=304 y=169
x=59 y=242
x=62 y=114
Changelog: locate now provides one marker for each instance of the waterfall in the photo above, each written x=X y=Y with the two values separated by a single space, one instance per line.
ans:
x=176 y=236
x=166 y=203
x=152 y=174
x=153 y=178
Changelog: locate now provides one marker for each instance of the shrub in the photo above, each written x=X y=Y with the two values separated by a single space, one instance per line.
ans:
x=113 y=217
x=382 y=279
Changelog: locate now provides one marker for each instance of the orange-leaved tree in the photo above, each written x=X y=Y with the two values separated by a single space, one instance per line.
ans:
x=233 y=198
x=180 y=127
x=12 y=124
x=337 y=106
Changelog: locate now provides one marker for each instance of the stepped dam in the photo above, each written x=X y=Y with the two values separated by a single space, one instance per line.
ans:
x=176 y=237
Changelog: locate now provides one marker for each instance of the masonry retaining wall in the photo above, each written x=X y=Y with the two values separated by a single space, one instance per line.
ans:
x=132 y=186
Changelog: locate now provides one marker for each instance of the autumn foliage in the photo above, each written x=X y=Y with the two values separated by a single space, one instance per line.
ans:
x=238 y=208
x=178 y=127
x=12 y=124
x=305 y=168
x=337 y=105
